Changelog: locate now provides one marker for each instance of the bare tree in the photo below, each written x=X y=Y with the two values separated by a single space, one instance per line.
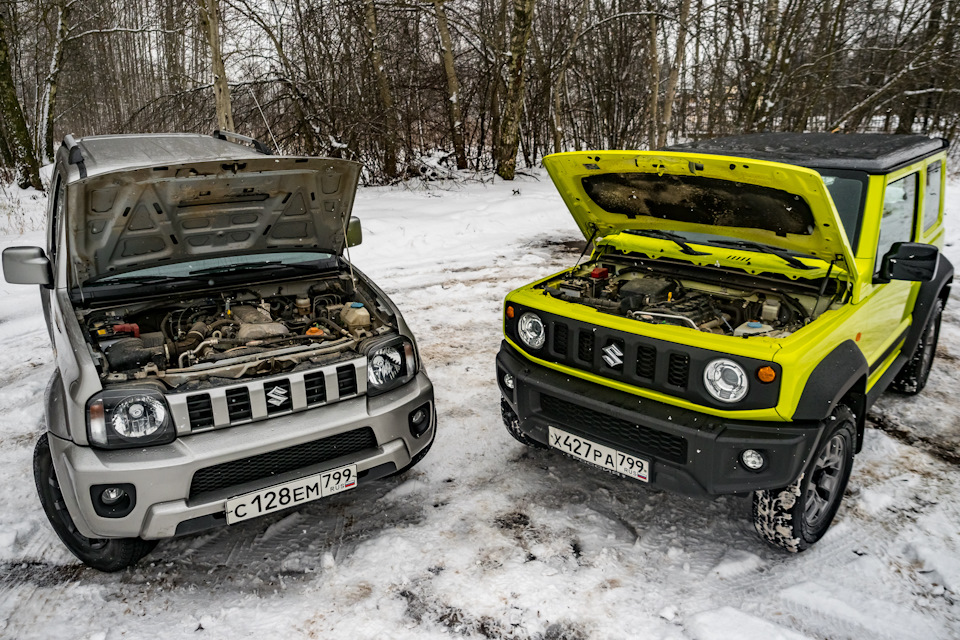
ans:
x=210 y=22
x=509 y=130
x=19 y=144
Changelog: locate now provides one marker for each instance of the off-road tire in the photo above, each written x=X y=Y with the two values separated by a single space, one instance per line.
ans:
x=103 y=554
x=512 y=422
x=795 y=517
x=913 y=376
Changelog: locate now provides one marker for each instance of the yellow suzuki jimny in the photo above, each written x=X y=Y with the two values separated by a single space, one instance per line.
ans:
x=747 y=300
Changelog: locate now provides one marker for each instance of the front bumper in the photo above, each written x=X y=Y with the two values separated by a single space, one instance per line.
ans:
x=690 y=453
x=163 y=475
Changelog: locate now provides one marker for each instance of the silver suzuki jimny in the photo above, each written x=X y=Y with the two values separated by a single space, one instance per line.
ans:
x=217 y=359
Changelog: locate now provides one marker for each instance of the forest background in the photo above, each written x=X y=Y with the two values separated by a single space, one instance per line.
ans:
x=413 y=88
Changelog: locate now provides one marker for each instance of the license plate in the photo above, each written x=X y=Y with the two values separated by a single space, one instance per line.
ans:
x=600 y=455
x=289 y=494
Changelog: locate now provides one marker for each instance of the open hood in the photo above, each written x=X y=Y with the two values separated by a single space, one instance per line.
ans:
x=145 y=217
x=772 y=203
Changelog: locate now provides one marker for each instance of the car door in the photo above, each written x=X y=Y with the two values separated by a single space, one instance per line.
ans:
x=886 y=316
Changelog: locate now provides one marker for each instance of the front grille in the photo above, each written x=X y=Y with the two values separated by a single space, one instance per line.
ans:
x=316 y=387
x=618 y=432
x=238 y=404
x=200 y=410
x=646 y=362
x=347 y=380
x=679 y=369
x=560 y=332
x=266 y=465
x=278 y=396
x=585 y=346
x=671 y=368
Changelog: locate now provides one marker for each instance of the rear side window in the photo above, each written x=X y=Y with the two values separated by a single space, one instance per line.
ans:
x=931 y=194
x=899 y=205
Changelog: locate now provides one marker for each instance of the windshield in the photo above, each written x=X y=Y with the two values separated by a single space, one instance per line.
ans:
x=848 y=190
x=213 y=265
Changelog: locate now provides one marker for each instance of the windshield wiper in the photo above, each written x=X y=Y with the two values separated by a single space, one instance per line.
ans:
x=672 y=237
x=753 y=246
x=255 y=266
x=115 y=280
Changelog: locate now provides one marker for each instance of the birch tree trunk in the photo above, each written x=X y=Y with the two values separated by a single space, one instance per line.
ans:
x=210 y=23
x=48 y=101
x=14 y=124
x=509 y=132
x=453 y=84
x=674 y=76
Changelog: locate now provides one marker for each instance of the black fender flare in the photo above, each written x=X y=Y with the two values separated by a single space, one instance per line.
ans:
x=838 y=374
x=938 y=288
x=54 y=407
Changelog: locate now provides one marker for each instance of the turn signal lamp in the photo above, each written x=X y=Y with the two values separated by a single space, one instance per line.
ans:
x=766 y=374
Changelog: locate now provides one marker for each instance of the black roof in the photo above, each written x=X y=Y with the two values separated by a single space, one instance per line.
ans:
x=870 y=152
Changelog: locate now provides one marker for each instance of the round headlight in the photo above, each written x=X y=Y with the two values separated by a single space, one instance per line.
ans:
x=531 y=330
x=384 y=365
x=138 y=417
x=725 y=380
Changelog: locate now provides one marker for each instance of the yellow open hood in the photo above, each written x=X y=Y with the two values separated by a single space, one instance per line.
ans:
x=776 y=204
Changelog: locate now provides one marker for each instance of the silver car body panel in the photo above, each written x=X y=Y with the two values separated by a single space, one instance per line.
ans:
x=163 y=474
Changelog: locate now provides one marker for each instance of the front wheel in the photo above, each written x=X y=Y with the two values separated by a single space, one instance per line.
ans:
x=797 y=516
x=512 y=422
x=103 y=554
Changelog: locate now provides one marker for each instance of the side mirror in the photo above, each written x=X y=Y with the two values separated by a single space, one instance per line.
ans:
x=910 y=261
x=354 y=232
x=26 y=265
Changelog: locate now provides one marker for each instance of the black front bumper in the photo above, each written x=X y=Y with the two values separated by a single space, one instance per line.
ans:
x=691 y=453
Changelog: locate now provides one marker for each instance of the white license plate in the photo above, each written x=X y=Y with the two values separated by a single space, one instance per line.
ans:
x=289 y=494
x=600 y=455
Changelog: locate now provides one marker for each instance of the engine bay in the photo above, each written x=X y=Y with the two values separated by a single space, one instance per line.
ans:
x=705 y=302
x=244 y=332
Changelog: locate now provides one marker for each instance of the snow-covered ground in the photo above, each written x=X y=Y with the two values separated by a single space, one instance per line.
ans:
x=488 y=539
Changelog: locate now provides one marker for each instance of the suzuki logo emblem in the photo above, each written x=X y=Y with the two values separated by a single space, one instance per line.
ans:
x=277 y=396
x=612 y=355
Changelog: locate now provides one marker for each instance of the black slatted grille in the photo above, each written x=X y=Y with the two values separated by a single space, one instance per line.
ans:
x=560 y=332
x=585 y=346
x=316 y=388
x=679 y=369
x=347 y=380
x=238 y=404
x=266 y=465
x=200 y=411
x=619 y=433
x=646 y=361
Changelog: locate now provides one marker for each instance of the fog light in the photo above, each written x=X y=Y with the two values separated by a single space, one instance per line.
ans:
x=112 y=495
x=419 y=420
x=508 y=381
x=752 y=460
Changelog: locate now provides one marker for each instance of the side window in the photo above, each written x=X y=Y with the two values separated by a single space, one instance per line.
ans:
x=899 y=205
x=931 y=195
